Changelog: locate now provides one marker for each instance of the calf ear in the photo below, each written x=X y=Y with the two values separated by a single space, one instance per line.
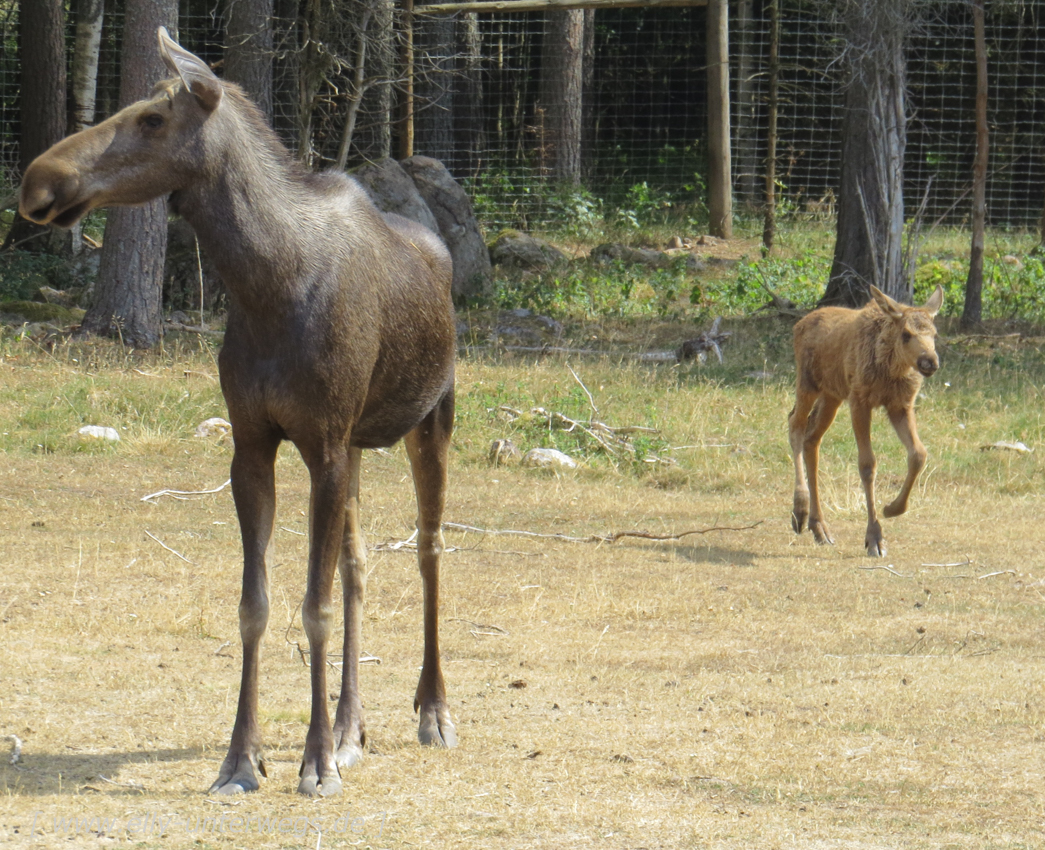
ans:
x=935 y=302
x=195 y=75
x=891 y=308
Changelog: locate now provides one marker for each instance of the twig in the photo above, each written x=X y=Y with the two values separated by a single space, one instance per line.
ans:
x=591 y=400
x=481 y=629
x=137 y=786
x=964 y=563
x=999 y=573
x=888 y=569
x=168 y=548
x=184 y=495
x=600 y=538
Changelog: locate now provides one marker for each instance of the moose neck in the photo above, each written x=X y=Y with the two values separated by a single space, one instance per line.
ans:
x=249 y=208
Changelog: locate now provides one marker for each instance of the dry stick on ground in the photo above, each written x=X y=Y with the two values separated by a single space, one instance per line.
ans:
x=599 y=538
x=184 y=495
x=888 y=569
x=168 y=548
x=595 y=430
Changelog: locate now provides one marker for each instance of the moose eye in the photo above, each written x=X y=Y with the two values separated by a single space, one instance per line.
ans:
x=906 y=336
x=153 y=121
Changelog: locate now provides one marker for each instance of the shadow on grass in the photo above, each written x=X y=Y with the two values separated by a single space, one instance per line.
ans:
x=47 y=774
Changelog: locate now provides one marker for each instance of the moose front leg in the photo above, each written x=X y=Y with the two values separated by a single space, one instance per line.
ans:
x=329 y=470
x=874 y=543
x=254 y=492
x=904 y=425
x=349 y=729
x=428 y=446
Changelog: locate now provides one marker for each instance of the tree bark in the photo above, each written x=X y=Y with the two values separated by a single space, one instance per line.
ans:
x=42 y=106
x=972 y=312
x=129 y=290
x=248 y=50
x=747 y=108
x=562 y=83
x=434 y=87
x=869 y=240
x=89 y=17
x=772 y=107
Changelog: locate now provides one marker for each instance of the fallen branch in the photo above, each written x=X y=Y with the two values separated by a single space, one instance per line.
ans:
x=999 y=573
x=888 y=569
x=599 y=538
x=711 y=340
x=184 y=495
x=168 y=548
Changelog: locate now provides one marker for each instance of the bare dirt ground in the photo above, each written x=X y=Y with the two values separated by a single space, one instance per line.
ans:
x=731 y=689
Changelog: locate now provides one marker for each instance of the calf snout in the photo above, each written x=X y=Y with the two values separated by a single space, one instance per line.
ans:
x=928 y=364
x=48 y=190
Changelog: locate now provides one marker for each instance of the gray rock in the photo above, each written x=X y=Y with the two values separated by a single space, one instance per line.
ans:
x=548 y=459
x=520 y=251
x=392 y=190
x=457 y=224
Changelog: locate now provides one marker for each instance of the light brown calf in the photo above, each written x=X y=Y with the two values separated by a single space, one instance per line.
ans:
x=872 y=357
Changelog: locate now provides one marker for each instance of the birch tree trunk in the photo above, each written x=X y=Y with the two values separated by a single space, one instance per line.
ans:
x=972 y=312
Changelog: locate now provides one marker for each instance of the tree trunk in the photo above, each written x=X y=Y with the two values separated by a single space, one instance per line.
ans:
x=89 y=17
x=972 y=312
x=128 y=293
x=720 y=187
x=379 y=101
x=562 y=78
x=468 y=99
x=41 y=26
x=248 y=50
x=869 y=240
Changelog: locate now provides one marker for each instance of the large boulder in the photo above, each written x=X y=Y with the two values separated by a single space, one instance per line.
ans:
x=456 y=224
x=522 y=252
x=392 y=190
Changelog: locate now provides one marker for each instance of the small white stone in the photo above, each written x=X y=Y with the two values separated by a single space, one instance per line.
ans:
x=546 y=458
x=99 y=432
x=214 y=427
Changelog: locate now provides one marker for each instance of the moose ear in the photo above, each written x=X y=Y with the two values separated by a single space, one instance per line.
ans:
x=194 y=73
x=887 y=305
x=935 y=302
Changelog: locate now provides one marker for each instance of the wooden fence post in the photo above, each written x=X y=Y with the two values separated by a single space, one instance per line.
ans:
x=720 y=189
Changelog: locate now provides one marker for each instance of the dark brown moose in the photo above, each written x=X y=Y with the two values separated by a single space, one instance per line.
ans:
x=340 y=337
x=872 y=357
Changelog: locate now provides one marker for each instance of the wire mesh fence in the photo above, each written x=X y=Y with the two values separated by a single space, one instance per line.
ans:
x=477 y=81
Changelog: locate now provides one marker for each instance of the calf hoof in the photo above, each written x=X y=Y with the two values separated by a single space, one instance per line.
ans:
x=874 y=543
x=237 y=774
x=348 y=748
x=820 y=533
x=798 y=521
x=800 y=511
x=319 y=778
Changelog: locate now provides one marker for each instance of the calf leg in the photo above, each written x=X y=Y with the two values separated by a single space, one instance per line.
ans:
x=904 y=425
x=349 y=729
x=820 y=420
x=329 y=469
x=428 y=446
x=254 y=491
x=861 y=413
x=797 y=421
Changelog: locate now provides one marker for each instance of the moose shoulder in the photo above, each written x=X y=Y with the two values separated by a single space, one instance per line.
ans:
x=873 y=357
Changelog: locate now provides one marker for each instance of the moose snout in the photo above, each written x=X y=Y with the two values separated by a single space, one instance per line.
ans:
x=46 y=192
x=928 y=364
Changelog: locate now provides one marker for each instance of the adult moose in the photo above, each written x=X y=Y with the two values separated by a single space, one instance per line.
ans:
x=873 y=357
x=340 y=337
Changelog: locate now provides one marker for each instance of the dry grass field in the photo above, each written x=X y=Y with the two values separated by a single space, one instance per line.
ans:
x=736 y=688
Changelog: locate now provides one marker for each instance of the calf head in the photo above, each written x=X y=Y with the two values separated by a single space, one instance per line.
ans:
x=147 y=150
x=915 y=329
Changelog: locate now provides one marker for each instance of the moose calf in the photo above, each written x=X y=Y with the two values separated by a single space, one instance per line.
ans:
x=872 y=357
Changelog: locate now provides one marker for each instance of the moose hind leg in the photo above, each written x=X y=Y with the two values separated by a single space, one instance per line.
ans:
x=253 y=489
x=797 y=421
x=820 y=420
x=349 y=729
x=874 y=542
x=428 y=446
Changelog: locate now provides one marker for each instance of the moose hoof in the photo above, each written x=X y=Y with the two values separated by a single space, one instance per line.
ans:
x=874 y=543
x=820 y=533
x=237 y=775
x=319 y=780
x=436 y=729
x=798 y=521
